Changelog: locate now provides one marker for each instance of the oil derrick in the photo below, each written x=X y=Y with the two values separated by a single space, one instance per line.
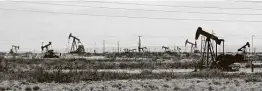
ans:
x=209 y=55
x=140 y=49
x=76 y=47
x=48 y=53
x=139 y=44
x=14 y=49
x=193 y=46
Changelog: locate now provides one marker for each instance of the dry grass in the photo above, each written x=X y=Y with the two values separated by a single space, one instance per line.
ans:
x=40 y=75
x=236 y=84
x=92 y=64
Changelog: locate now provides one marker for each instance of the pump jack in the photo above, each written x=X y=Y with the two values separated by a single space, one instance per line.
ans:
x=193 y=46
x=209 y=50
x=166 y=48
x=48 y=53
x=133 y=50
x=126 y=50
x=129 y=50
x=143 y=49
x=76 y=47
x=14 y=49
x=243 y=48
x=242 y=57
x=178 y=49
x=221 y=61
x=225 y=60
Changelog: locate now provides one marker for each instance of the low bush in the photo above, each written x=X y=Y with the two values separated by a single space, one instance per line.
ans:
x=59 y=76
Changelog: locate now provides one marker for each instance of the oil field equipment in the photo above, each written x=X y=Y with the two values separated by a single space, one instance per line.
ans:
x=129 y=50
x=228 y=59
x=48 y=53
x=133 y=50
x=165 y=48
x=243 y=48
x=242 y=57
x=209 y=55
x=141 y=49
x=178 y=49
x=144 y=48
x=193 y=46
x=126 y=50
x=76 y=47
x=14 y=49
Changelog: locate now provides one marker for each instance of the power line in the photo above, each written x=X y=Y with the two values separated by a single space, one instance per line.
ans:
x=258 y=2
x=183 y=6
x=155 y=18
x=168 y=11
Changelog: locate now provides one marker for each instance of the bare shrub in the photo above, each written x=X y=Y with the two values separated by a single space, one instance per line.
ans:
x=3 y=64
x=253 y=79
x=28 y=89
x=216 y=83
x=166 y=86
x=210 y=88
x=176 y=88
x=36 y=88
x=136 y=89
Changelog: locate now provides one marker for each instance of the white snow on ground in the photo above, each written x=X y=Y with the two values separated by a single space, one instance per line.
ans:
x=140 y=85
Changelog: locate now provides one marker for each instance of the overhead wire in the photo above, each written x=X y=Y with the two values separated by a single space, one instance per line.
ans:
x=258 y=2
x=120 y=16
x=180 y=6
x=158 y=18
x=168 y=11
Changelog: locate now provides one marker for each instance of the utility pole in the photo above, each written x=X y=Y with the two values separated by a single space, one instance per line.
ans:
x=118 y=50
x=139 y=44
x=42 y=45
x=103 y=46
x=251 y=64
x=95 y=48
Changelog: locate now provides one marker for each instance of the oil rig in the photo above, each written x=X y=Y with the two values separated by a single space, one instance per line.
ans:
x=76 y=46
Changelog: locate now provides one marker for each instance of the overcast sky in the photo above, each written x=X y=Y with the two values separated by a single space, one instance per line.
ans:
x=27 y=24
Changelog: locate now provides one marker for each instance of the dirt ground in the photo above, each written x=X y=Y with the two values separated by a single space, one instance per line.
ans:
x=138 y=85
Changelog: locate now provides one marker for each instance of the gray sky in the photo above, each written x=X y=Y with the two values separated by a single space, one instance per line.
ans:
x=28 y=28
